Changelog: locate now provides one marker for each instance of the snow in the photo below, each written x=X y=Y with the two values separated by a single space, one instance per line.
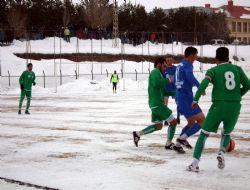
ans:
x=80 y=137
x=247 y=8
x=245 y=16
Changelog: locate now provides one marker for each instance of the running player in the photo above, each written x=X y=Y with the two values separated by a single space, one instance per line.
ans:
x=230 y=83
x=185 y=81
x=160 y=112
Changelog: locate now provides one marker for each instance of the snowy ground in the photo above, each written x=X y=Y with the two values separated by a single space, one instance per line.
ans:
x=83 y=141
x=80 y=138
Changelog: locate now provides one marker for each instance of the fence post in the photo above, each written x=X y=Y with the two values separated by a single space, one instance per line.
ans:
x=107 y=73
x=60 y=77
x=142 y=42
x=135 y=74
x=162 y=47
x=91 y=43
x=148 y=48
x=122 y=73
x=9 y=77
x=76 y=74
x=92 y=75
x=101 y=44
x=43 y=79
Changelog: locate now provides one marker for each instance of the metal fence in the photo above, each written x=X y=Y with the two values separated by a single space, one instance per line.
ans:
x=139 y=43
x=51 y=81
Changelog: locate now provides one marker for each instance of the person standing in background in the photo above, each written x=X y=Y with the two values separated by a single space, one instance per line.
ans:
x=67 y=34
x=114 y=79
x=26 y=80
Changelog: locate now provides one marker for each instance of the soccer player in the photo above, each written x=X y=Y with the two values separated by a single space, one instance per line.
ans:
x=114 y=79
x=230 y=83
x=185 y=81
x=26 y=80
x=170 y=89
x=160 y=112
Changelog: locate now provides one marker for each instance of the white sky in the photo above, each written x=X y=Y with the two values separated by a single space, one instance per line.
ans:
x=166 y=4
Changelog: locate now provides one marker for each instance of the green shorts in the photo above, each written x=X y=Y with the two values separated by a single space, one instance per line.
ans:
x=160 y=113
x=226 y=112
x=26 y=93
x=170 y=93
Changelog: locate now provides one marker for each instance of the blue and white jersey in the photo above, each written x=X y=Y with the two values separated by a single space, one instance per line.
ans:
x=184 y=79
x=170 y=72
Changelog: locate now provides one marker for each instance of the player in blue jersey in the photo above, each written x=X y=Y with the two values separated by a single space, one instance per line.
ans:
x=170 y=89
x=185 y=81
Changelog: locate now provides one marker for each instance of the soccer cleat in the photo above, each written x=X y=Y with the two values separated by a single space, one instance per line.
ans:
x=19 y=112
x=170 y=146
x=221 y=160
x=27 y=112
x=178 y=120
x=178 y=149
x=192 y=168
x=184 y=142
x=136 y=138
x=165 y=123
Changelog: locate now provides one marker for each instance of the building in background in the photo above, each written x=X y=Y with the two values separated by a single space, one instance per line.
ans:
x=238 y=19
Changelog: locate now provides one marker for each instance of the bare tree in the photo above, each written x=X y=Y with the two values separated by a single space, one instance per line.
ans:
x=66 y=13
x=17 y=19
x=97 y=13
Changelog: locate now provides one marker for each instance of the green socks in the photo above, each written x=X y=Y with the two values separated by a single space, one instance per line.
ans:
x=225 y=140
x=200 y=144
x=171 y=132
x=149 y=129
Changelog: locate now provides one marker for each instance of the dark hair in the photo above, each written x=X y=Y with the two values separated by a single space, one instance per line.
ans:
x=168 y=56
x=160 y=60
x=222 y=54
x=29 y=64
x=190 y=50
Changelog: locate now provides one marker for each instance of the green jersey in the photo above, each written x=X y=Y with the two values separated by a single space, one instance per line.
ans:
x=26 y=79
x=229 y=81
x=156 y=88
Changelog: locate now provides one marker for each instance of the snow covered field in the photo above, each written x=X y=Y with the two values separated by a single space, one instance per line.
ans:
x=80 y=137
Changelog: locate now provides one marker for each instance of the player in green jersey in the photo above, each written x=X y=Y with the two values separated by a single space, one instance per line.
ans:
x=160 y=112
x=230 y=83
x=26 y=80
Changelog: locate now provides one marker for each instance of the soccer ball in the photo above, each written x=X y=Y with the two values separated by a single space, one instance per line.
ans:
x=231 y=146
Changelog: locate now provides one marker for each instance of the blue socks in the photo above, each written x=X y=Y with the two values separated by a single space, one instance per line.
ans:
x=192 y=130
x=184 y=130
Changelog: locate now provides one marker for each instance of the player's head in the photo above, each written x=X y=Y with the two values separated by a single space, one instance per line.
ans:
x=160 y=63
x=30 y=66
x=191 y=54
x=115 y=71
x=222 y=54
x=169 y=60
